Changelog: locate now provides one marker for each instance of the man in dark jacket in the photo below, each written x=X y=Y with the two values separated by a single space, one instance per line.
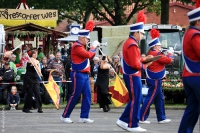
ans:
x=6 y=76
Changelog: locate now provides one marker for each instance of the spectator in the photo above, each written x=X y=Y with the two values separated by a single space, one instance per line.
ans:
x=7 y=51
x=70 y=47
x=40 y=54
x=2 y=63
x=13 y=98
x=112 y=73
x=112 y=77
x=96 y=64
x=68 y=85
x=17 y=54
x=63 y=51
x=51 y=57
x=6 y=76
x=116 y=64
x=43 y=67
x=31 y=84
x=58 y=69
x=102 y=84
x=24 y=60
x=12 y=59
x=93 y=78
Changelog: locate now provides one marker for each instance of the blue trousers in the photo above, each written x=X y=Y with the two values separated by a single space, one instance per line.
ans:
x=155 y=95
x=131 y=114
x=80 y=85
x=192 y=111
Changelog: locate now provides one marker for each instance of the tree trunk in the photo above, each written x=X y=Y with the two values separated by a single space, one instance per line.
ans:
x=118 y=15
x=164 y=12
x=86 y=17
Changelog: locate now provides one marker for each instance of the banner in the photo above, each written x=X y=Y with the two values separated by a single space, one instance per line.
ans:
x=54 y=90
x=119 y=92
x=19 y=14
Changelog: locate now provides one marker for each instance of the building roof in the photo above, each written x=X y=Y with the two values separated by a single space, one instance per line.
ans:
x=181 y=5
x=34 y=27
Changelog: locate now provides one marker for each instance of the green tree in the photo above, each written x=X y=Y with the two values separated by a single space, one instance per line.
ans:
x=112 y=11
x=79 y=10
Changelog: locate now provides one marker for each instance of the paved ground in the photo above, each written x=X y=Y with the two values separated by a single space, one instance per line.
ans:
x=49 y=122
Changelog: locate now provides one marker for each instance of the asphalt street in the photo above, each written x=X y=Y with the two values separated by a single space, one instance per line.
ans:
x=49 y=122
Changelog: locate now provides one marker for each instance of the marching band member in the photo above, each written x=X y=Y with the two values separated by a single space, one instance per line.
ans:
x=191 y=71
x=80 y=78
x=155 y=72
x=131 y=67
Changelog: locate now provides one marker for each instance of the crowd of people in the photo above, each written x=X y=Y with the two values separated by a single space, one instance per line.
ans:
x=61 y=65
x=22 y=61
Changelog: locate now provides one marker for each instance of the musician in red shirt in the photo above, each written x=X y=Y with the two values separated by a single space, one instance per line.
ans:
x=80 y=78
x=132 y=65
x=191 y=72
x=155 y=72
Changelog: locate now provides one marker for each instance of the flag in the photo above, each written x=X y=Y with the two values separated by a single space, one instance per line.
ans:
x=119 y=92
x=54 y=90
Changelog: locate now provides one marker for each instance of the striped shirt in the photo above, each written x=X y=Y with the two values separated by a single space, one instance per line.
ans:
x=54 y=64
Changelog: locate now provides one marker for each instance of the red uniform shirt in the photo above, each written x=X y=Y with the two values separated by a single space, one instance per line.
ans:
x=159 y=64
x=131 y=55
x=79 y=55
x=191 y=48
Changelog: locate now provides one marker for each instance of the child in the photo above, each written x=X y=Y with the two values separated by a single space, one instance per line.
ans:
x=13 y=98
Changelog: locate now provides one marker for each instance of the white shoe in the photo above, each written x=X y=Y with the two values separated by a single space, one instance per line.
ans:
x=164 y=121
x=122 y=124
x=67 y=120
x=12 y=108
x=144 y=122
x=85 y=120
x=136 y=129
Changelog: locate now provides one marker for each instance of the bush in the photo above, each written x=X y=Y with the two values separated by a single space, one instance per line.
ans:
x=174 y=94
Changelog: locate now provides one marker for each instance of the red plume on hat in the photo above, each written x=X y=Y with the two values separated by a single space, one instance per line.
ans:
x=154 y=33
x=197 y=3
x=141 y=17
x=89 y=25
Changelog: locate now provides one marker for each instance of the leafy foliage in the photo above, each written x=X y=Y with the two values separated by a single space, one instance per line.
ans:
x=20 y=34
x=80 y=10
x=113 y=11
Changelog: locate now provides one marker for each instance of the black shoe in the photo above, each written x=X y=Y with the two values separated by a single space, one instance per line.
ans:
x=105 y=109
x=108 y=107
x=26 y=111
x=40 y=110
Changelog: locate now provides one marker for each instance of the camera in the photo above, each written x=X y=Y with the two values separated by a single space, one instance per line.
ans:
x=104 y=58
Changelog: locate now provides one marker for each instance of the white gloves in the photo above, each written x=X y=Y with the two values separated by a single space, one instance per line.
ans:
x=170 y=50
x=95 y=44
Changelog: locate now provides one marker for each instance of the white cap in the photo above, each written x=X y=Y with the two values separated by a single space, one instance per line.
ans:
x=194 y=15
x=84 y=33
x=137 y=27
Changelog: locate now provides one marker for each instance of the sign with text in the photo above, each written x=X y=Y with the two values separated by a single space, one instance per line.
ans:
x=19 y=14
